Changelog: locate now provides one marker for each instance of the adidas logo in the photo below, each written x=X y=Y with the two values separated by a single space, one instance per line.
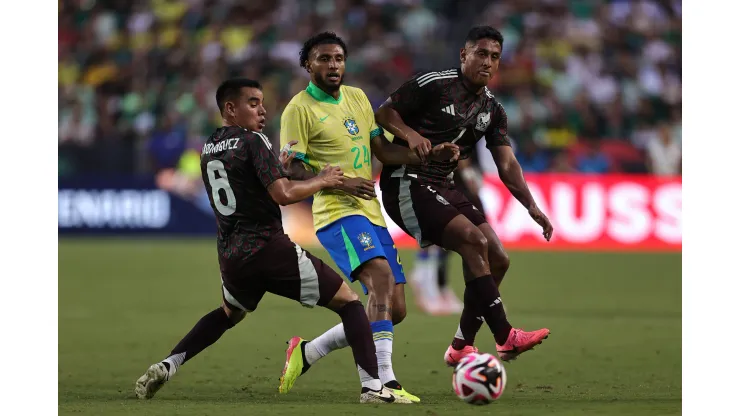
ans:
x=495 y=302
x=450 y=109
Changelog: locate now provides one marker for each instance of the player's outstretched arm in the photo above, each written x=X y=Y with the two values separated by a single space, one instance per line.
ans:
x=388 y=118
x=393 y=154
x=286 y=192
x=512 y=176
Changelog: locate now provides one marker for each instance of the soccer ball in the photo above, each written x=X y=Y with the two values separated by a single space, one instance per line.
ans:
x=479 y=378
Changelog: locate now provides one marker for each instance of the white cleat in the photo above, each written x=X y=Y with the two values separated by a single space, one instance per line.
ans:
x=154 y=378
x=384 y=395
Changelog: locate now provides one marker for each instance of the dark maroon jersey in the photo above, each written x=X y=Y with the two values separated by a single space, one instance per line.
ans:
x=237 y=167
x=439 y=107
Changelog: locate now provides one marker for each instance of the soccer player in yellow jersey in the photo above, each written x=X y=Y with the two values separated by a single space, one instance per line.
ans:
x=334 y=123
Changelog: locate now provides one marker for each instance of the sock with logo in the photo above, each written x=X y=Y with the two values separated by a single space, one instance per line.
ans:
x=383 y=337
x=207 y=331
x=483 y=295
x=470 y=323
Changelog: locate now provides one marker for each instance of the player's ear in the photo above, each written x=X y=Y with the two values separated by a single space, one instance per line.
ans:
x=230 y=109
x=462 y=55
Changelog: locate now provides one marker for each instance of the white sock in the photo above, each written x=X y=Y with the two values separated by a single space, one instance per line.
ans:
x=368 y=381
x=384 y=350
x=174 y=361
x=331 y=340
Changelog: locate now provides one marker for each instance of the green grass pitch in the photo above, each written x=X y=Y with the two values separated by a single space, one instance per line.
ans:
x=615 y=347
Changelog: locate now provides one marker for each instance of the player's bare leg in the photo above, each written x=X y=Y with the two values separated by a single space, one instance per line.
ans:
x=377 y=276
x=356 y=333
x=207 y=331
x=498 y=259
x=378 y=288
x=481 y=291
x=399 y=304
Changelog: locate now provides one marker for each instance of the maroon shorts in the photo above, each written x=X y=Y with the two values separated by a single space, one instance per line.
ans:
x=423 y=211
x=472 y=196
x=282 y=268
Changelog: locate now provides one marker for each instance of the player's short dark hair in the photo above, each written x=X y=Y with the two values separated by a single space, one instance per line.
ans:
x=484 y=32
x=323 y=38
x=231 y=88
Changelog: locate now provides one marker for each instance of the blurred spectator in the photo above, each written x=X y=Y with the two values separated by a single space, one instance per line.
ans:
x=532 y=158
x=593 y=160
x=664 y=152
x=141 y=76
x=561 y=163
x=168 y=142
x=75 y=128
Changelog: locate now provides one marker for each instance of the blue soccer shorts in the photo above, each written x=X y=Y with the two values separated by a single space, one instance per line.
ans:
x=352 y=241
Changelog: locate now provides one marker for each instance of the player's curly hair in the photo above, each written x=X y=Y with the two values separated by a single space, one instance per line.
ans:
x=484 y=32
x=323 y=38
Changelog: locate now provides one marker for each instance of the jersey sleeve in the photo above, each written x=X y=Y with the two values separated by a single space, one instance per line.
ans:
x=411 y=96
x=294 y=125
x=497 y=133
x=266 y=164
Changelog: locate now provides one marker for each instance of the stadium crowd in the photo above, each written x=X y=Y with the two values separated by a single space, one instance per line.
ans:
x=589 y=86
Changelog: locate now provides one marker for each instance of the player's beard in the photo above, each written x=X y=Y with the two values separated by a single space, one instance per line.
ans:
x=328 y=87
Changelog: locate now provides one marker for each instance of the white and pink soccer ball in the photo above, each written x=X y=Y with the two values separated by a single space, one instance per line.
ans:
x=479 y=379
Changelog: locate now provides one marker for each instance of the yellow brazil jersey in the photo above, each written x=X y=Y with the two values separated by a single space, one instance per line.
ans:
x=337 y=132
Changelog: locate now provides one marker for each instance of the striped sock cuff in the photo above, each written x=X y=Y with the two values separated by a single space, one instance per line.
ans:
x=382 y=330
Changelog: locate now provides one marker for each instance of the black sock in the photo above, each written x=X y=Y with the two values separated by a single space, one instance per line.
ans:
x=470 y=324
x=359 y=337
x=471 y=319
x=442 y=268
x=483 y=293
x=207 y=331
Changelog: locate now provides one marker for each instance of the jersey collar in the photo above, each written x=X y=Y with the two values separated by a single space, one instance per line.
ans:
x=319 y=95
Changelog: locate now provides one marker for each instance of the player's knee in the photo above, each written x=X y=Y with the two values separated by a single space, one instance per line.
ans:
x=235 y=315
x=377 y=276
x=474 y=239
x=344 y=295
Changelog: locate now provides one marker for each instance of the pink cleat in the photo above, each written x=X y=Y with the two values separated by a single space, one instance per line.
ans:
x=453 y=356
x=519 y=342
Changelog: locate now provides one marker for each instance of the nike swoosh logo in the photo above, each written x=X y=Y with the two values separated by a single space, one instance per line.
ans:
x=323 y=118
x=386 y=397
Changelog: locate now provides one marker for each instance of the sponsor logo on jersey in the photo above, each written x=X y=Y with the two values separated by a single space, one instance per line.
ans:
x=484 y=119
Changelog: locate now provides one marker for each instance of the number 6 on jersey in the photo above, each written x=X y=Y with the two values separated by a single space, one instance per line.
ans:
x=222 y=182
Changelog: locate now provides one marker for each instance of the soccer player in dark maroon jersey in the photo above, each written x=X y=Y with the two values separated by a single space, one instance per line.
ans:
x=456 y=106
x=246 y=181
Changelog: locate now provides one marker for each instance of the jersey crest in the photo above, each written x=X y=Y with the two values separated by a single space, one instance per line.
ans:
x=484 y=119
x=366 y=240
x=351 y=125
